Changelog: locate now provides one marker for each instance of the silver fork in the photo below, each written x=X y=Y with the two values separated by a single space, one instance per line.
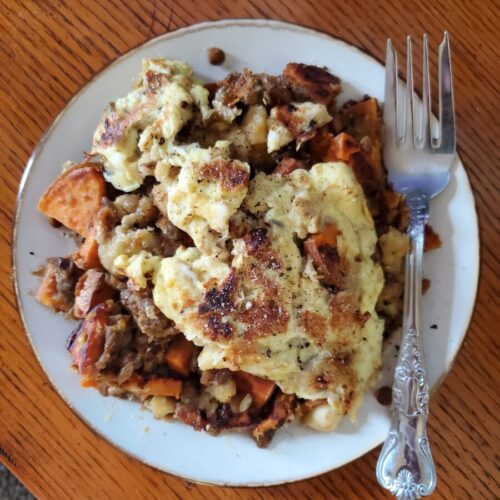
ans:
x=418 y=165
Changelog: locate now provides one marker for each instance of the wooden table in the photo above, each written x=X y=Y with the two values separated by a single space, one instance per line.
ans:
x=49 y=49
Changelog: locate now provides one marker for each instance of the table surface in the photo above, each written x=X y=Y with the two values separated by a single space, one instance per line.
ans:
x=49 y=49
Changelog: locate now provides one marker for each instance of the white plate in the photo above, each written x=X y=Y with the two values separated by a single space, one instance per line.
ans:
x=233 y=459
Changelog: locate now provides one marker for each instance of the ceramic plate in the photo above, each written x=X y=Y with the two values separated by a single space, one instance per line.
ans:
x=233 y=459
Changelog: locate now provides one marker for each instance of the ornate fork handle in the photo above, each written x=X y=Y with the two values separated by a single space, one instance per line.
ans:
x=405 y=466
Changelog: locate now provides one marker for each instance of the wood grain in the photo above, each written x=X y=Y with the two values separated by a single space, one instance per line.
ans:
x=49 y=49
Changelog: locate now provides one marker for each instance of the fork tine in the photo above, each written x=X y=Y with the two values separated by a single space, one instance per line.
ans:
x=446 y=141
x=425 y=126
x=408 y=131
x=391 y=97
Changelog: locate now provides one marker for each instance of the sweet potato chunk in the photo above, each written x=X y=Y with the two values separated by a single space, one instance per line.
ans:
x=157 y=386
x=88 y=382
x=360 y=156
x=91 y=290
x=163 y=387
x=328 y=236
x=364 y=121
x=364 y=126
x=58 y=285
x=259 y=388
x=342 y=147
x=87 y=257
x=319 y=144
x=282 y=412
x=322 y=248
x=74 y=197
x=179 y=355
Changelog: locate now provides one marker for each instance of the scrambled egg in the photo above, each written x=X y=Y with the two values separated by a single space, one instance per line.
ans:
x=203 y=188
x=265 y=311
x=164 y=99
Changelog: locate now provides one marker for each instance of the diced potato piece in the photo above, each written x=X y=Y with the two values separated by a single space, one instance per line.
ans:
x=161 y=406
x=163 y=387
x=322 y=418
x=157 y=386
x=57 y=288
x=88 y=382
x=223 y=391
x=74 y=197
x=260 y=389
x=87 y=257
x=255 y=125
x=394 y=245
x=179 y=355
x=342 y=147
x=366 y=123
x=47 y=293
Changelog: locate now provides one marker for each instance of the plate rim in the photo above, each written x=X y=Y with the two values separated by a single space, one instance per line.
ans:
x=200 y=26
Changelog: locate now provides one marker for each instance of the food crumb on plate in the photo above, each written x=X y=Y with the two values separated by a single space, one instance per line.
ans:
x=216 y=56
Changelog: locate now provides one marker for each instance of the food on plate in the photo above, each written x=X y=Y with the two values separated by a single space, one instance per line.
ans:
x=74 y=197
x=216 y=56
x=241 y=254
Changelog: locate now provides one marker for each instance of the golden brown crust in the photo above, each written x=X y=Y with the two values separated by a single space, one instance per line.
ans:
x=249 y=88
x=291 y=120
x=115 y=127
x=220 y=300
x=229 y=174
x=345 y=311
x=312 y=83
x=217 y=329
x=314 y=325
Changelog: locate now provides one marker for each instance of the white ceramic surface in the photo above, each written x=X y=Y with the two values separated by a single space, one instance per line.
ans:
x=233 y=459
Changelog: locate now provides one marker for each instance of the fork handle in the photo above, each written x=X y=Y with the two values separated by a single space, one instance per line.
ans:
x=405 y=466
